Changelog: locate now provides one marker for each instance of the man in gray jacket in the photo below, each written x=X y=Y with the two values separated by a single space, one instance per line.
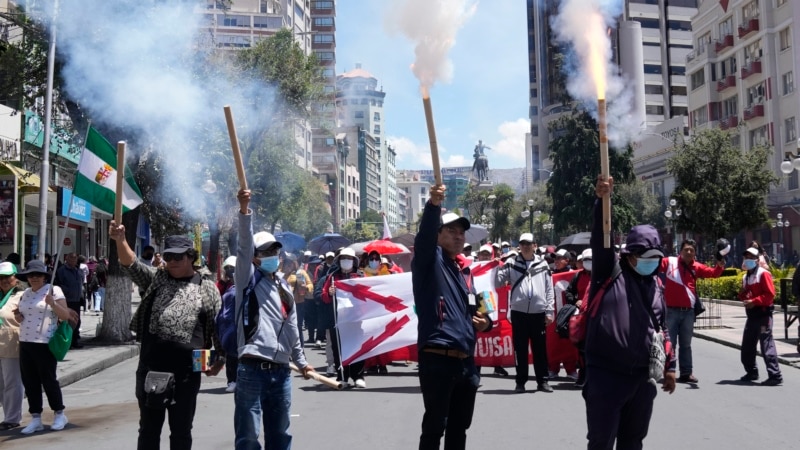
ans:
x=531 y=302
x=268 y=339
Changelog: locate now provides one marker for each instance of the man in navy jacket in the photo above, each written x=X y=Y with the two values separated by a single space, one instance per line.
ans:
x=448 y=318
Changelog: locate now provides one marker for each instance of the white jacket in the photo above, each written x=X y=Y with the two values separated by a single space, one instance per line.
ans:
x=534 y=293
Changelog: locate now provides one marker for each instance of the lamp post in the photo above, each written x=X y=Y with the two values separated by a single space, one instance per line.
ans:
x=548 y=228
x=529 y=214
x=781 y=225
x=209 y=187
x=672 y=213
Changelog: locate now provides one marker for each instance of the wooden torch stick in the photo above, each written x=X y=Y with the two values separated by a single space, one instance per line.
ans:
x=604 y=169
x=237 y=154
x=120 y=181
x=426 y=103
x=320 y=378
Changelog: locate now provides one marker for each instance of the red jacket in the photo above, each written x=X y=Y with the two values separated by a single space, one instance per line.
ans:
x=681 y=279
x=758 y=287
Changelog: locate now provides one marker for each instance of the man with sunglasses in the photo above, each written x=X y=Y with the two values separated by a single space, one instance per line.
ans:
x=176 y=316
x=267 y=336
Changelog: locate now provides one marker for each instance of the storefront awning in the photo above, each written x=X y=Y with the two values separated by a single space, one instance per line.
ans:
x=28 y=182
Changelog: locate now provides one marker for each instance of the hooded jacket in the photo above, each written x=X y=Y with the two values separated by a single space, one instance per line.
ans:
x=618 y=337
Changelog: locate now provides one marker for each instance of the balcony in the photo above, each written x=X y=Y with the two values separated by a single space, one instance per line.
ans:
x=728 y=122
x=725 y=42
x=751 y=26
x=756 y=110
x=750 y=69
x=725 y=83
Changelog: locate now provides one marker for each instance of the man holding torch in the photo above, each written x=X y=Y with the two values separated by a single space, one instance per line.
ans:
x=447 y=311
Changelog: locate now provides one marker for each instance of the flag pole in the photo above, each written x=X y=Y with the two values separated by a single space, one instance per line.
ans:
x=120 y=181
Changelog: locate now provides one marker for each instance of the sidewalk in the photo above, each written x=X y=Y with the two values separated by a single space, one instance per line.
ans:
x=94 y=357
x=726 y=317
x=731 y=316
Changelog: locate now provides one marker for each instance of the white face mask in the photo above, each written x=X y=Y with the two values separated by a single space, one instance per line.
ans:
x=346 y=265
x=587 y=265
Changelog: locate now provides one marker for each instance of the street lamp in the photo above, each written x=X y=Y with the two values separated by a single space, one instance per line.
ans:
x=528 y=214
x=548 y=228
x=781 y=224
x=672 y=214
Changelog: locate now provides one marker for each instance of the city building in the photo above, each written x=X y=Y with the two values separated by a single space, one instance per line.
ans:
x=664 y=28
x=359 y=104
x=741 y=78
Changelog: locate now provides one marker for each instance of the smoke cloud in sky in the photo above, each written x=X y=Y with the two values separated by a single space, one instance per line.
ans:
x=139 y=65
x=432 y=25
x=571 y=27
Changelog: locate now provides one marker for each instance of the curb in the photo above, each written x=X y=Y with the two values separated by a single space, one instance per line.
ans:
x=125 y=352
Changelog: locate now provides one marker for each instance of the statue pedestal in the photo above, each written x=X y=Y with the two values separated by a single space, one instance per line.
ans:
x=484 y=185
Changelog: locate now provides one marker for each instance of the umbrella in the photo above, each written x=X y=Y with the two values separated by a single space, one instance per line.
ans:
x=292 y=242
x=386 y=247
x=327 y=242
x=576 y=242
x=405 y=239
x=358 y=247
x=475 y=234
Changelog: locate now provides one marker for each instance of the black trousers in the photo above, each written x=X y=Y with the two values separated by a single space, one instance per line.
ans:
x=354 y=371
x=38 y=369
x=76 y=332
x=181 y=413
x=529 y=329
x=231 y=366
x=759 y=330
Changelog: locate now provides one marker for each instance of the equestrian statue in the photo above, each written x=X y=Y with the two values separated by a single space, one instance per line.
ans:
x=481 y=165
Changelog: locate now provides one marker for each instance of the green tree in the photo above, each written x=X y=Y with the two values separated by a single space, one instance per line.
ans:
x=360 y=232
x=721 y=189
x=575 y=151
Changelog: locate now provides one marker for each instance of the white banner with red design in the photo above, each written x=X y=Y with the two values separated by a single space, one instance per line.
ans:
x=376 y=317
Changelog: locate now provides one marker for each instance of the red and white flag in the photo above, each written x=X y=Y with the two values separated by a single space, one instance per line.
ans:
x=387 y=233
x=375 y=315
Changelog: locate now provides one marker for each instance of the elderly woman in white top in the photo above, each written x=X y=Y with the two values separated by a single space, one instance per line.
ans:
x=38 y=313
x=10 y=378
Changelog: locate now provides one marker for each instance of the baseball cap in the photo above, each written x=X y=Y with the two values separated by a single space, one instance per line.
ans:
x=526 y=237
x=586 y=254
x=505 y=244
x=467 y=245
x=6 y=268
x=229 y=261
x=329 y=255
x=264 y=241
x=485 y=248
x=563 y=253
x=451 y=218
x=752 y=251
x=177 y=244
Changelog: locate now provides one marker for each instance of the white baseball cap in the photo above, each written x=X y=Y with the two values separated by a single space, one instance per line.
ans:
x=229 y=261
x=526 y=237
x=485 y=248
x=449 y=218
x=264 y=241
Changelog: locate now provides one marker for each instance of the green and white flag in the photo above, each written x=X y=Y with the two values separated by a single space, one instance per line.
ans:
x=96 y=179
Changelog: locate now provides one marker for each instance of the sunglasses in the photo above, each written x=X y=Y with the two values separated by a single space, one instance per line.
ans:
x=374 y=259
x=173 y=256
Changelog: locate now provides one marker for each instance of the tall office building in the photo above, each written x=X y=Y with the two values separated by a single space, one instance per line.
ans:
x=742 y=79
x=359 y=103
x=666 y=40
x=243 y=23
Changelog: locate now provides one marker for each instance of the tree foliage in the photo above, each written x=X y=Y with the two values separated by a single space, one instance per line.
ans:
x=575 y=151
x=720 y=188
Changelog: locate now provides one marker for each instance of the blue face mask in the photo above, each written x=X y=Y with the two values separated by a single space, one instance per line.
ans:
x=750 y=264
x=269 y=264
x=647 y=266
x=374 y=265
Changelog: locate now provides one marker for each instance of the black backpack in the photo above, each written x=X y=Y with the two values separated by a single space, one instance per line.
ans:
x=562 y=319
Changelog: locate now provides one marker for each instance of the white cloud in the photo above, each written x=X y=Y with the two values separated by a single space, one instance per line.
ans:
x=511 y=146
x=412 y=155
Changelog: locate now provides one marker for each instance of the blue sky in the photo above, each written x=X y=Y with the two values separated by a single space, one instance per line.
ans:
x=486 y=99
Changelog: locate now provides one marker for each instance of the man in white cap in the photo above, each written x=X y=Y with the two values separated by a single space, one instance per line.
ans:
x=447 y=311
x=532 y=305
x=268 y=338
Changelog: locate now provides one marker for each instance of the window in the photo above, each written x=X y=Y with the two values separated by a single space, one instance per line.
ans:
x=755 y=94
x=534 y=111
x=653 y=69
x=699 y=116
x=677 y=70
x=678 y=90
x=377 y=129
x=702 y=42
x=676 y=111
x=376 y=117
x=730 y=107
x=535 y=130
x=647 y=23
x=758 y=137
x=679 y=25
x=654 y=89
x=785 y=38
x=323 y=38
x=325 y=56
x=726 y=27
x=267 y=22
x=654 y=110
x=359 y=115
x=750 y=11
x=323 y=5
x=788 y=83
x=327 y=73
x=236 y=21
x=323 y=21
x=791 y=131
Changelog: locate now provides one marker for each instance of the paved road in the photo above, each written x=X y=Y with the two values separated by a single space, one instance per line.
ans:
x=720 y=412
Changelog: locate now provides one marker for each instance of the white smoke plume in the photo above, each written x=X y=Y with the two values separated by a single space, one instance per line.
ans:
x=432 y=25
x=138 y=65
x=572 y=27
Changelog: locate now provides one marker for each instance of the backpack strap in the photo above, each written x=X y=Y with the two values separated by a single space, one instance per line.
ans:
x=594 y=305
x=534 y=270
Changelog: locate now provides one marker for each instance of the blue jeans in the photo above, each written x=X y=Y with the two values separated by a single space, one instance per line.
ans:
x=449 y=386
x=262 y=396
x=680 y=325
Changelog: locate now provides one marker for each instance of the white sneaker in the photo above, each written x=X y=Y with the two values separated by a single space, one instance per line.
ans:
x=331 y=371
x=59 y=422
x=360 y=383
x=231 y=387
x=318 y=344
x=34 y=426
